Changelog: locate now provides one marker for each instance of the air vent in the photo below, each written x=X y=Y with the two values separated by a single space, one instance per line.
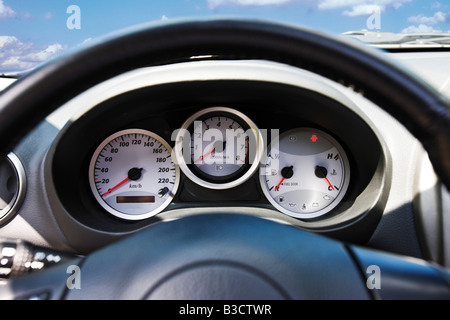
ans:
x=12 y=187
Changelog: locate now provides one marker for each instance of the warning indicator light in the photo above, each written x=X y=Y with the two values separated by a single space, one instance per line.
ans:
x=314 y=137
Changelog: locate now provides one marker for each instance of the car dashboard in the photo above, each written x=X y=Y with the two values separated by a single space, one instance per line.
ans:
x=360 y=178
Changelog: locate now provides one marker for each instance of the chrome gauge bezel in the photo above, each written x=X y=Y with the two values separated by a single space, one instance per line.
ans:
x=319 y=213
x=97 y=195
x=184 y=134
x=16 y=201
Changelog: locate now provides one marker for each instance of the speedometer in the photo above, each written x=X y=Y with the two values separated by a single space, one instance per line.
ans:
x=132 y=174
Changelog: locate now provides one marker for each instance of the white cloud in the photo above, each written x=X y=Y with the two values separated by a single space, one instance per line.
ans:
x=43 y=55
x=362 y=10
x=421 y=28
x=397 y=5
x=6 y=40
x=218 y=3
x=360 y=7
x=6 y=12
x=16 y=55
x=86 y=40
x=422 y=23
x=337 y=4
x=350 y=7
x=10 y=45
x=10 y=52
x=438 y=17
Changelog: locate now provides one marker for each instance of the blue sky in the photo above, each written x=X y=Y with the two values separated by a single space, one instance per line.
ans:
x=32 y=31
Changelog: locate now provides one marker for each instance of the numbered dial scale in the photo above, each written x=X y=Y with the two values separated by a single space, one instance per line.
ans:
x=218 y=148
x=306 y=173
x=132 y=174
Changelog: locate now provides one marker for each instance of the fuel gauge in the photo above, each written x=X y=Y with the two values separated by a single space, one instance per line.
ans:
x=306 y=173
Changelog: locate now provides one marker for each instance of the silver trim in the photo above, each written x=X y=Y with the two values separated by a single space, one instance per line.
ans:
x=194 y=71
x=11 y=209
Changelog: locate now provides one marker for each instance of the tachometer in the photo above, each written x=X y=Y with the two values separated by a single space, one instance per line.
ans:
x=132 y=174
x=219 y=148
x=306 y=173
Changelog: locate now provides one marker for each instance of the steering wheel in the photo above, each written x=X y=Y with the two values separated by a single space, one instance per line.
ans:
x=246 y=257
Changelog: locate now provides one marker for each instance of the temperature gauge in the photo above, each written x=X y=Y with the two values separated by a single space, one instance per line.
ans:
x=306 y=173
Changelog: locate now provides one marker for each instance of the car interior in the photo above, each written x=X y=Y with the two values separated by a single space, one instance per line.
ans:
x=227 y=159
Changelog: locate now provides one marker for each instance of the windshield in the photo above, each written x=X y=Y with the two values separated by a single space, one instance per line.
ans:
x=34 y=31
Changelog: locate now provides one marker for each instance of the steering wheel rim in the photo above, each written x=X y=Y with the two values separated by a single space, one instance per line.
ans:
x=423 y=111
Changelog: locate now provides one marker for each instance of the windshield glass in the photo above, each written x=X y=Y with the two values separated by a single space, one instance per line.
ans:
x=34 y=31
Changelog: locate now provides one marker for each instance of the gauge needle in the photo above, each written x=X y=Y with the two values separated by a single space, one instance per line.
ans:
x=133 y=174
x=116 y=186
x=278 y=186
x=321 y=173
x=202 y=157
x=326 y=179
x=219 y=145
x=286 y=173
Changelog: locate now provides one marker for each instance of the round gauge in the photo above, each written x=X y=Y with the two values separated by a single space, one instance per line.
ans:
x=132 y=174
x=12 y=186
x=305 y=174
x=219 y=148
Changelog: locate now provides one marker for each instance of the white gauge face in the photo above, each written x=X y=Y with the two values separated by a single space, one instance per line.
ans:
x=306 y=173
x=132 y=174
x=215 y=154
x=219 y=148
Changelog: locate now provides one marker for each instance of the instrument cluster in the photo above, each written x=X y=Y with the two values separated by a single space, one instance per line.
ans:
x=270 y=150
x=303 y=172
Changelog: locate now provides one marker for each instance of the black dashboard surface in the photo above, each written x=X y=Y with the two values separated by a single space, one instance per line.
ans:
x=163 y=108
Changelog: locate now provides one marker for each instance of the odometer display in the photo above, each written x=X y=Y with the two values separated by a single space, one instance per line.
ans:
x=132 y=174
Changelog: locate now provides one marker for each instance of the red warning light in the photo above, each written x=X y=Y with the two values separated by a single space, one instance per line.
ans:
x=314 y=137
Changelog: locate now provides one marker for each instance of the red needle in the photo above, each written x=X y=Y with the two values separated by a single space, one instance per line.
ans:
x=201 y=158
x=278 y=186
x=117 y=185
x=329 y=183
